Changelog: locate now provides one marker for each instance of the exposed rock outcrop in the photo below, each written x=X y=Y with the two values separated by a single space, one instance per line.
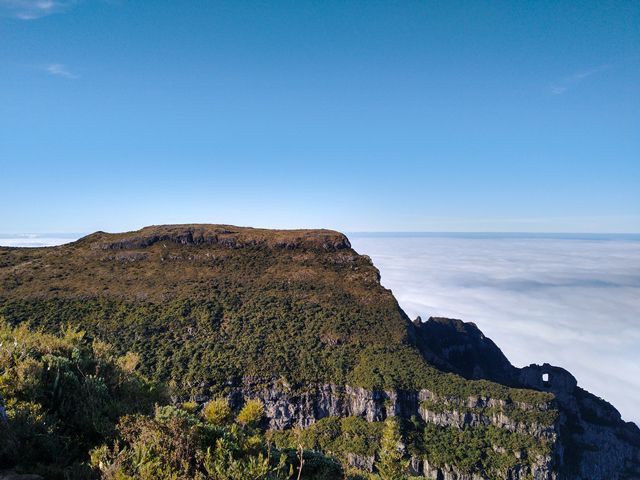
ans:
x=590 y=440
x=461 y=347
x=286 y=407
x=423 y=467
x=223 y=235
x=594 y=443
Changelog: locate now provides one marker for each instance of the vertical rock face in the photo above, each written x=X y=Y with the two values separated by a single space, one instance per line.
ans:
x=449 y=472
x=594 y=443
x=590 y=440
x=287 y=408
x=462 y=348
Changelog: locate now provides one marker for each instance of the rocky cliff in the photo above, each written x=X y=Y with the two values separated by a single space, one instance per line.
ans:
x=300 y=320
x=287 y=408
x=593 y=440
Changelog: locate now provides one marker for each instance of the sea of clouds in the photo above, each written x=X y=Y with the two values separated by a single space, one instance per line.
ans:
x=36 y=240
x=572 y=301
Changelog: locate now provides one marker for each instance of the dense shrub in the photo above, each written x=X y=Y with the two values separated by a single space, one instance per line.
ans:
x=486 y=450
x=63 y=394
x=391 y=464
x=176 y=445
x=251 y=414
x=334 y=436
x=217 y=411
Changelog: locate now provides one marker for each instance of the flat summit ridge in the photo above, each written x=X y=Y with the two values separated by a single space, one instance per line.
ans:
x=226 y=235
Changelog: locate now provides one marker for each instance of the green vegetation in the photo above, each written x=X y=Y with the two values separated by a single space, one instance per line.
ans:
x=63 y=395
x=251 y=413
x=486 y=450
x=206 y=305
x=202 y=309
x=490 y=451
x=216 y=411
x=391 y=464
x=76 y=409
x=174 y=444
x=333 y=436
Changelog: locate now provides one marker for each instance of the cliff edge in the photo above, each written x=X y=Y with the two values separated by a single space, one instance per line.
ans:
x=300 y=320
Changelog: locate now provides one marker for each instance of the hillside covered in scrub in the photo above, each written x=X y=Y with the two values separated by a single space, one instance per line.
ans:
x=299 y=322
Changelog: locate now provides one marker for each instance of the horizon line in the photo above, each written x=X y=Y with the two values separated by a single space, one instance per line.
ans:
x=354 y=232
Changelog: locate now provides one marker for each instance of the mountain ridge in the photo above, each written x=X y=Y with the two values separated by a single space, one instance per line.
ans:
x=210 y=307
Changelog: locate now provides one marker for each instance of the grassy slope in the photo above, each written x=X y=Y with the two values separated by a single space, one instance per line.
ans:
x=204 y=303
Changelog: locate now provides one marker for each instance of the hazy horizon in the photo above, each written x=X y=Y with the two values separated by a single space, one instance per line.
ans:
x=376 y=233
x=45 y=239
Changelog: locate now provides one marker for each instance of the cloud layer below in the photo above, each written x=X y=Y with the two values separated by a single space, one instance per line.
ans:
x=572 y=302
x=36 y=240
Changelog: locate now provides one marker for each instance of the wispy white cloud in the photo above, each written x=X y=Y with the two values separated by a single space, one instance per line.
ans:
x=570 y=302
x=33 y=9
x=59 y=70
x=564 y=84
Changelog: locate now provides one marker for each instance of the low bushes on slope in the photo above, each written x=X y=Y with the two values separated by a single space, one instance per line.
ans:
x=63 y=394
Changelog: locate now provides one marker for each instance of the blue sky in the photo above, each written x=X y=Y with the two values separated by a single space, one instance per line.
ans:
x=358 y=116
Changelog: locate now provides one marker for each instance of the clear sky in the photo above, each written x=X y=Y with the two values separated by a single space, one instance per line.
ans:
x=372 y=115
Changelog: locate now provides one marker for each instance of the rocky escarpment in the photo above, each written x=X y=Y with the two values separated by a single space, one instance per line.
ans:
x=586 y=437
x=222 y=235
x=593 y=440
x=460 y=347
x=287 y=407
